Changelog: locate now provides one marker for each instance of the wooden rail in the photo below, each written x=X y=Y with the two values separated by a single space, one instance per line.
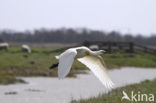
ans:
x=111 y=46
x=127 y=46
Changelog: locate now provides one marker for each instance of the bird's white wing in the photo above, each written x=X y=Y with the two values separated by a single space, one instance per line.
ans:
x=97 y=66
x=66 y=60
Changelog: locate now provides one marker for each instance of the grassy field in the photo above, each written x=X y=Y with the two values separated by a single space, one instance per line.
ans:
x=137 y=59
x=145 y=87
x=16 y=63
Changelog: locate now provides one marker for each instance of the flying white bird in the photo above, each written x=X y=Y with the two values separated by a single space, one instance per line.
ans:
x=91 y=59
x=125 y=96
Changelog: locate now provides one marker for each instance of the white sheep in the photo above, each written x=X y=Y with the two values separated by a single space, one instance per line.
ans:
x=26 y=48
x=4 y=46
x=94 y=47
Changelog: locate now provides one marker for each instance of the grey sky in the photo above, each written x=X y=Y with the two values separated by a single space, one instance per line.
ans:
x=134 y=16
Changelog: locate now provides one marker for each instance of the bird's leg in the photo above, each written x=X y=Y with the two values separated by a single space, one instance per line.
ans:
x=53 y=66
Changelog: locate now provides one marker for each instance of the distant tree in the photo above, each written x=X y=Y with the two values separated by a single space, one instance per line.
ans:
x=1 y=40
x=151 y=40
x=70 y=35
x=128 y=38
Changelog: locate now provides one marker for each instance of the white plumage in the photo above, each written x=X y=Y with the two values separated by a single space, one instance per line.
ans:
x=91 y=59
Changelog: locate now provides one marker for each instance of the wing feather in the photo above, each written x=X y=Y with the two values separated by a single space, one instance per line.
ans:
x=97 y=66
x=66 y=60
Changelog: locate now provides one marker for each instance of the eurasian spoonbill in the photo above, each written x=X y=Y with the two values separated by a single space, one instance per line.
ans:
x=91 y=59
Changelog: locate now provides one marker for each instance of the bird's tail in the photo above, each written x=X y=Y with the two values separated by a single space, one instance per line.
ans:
x=53 y=66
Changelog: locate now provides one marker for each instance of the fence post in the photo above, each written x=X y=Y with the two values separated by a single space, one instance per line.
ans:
x=110 y=47
x=131 y=47
x=86 y=43
x=145 y=49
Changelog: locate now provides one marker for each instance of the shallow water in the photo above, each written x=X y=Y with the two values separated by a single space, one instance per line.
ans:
x=53 y=90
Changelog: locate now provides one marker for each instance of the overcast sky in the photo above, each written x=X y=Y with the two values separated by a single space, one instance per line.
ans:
x=134 y=16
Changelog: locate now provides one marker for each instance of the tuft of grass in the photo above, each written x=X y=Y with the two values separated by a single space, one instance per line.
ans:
x=8 y=79
x=145 y=87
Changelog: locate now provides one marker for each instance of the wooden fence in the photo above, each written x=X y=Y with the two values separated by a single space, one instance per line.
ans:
x=111 y=46
x=127 y=46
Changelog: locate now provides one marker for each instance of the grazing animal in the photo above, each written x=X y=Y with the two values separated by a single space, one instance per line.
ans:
x=4 y=46
x=91 y=59
x=94 y=47
x=26 y=48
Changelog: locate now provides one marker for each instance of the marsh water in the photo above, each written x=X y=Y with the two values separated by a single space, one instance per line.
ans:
x=53 y=90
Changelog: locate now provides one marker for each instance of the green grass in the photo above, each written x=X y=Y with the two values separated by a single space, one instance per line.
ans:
x=8 y=79
x=145 y=87
x=138 y=59
x=16 y=63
